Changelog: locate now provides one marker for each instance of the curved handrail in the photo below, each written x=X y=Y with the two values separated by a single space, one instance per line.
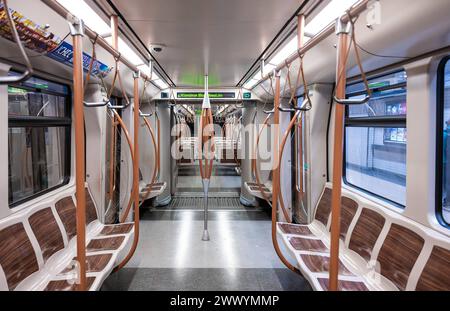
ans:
x=145 y=115
x=256 y=173
x=306 y=106
x=117 y=77
x=349 y=102
x=106 y=101
x=97 y=104
x=115 y=107
x=353 y=42
x=298 y=114
x=155 y=147
x=130 y=145
x=276 y=193
x=29 y=69
x=158 y=143
x=135 y=194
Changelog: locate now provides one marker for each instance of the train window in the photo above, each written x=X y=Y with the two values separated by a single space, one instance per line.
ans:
x=443 y=133
x=38 y=139
x=376 y=137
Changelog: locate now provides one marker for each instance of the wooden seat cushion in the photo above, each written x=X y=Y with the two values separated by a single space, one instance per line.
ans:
x=17 y=257
x=67 y=212
x=308 y=245
x=106 y=244
x=117 y=229
x=295 y=229
x=320 y=264
x=324 y=207
x=436 y=273
x=348 y=211
x=94 y=263
x=366 y=233
x=399 y=253
x=66 y=285
x=344 y=285
x=47 y=232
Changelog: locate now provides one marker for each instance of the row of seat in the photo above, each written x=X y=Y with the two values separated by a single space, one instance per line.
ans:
x=156 y=189
x=38 y=245
x=379 y=249
x=255 y=190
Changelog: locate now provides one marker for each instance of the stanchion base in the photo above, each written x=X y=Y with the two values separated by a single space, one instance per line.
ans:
x=205 y=236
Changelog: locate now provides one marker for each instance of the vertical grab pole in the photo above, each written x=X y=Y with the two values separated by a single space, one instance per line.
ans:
x=276 y=145
x=112 y=151
x=206 y=106
x=77 y=32
x=343 y=32
x=136 y=77
x=135 y=194
x=115 y=31
x=299 y=129
x=276 y=173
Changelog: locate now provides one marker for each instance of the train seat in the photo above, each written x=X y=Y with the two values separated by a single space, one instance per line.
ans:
x=379 y=249
x=38 y=245
x=316 y=230
x=149 y=191
x=254 y=190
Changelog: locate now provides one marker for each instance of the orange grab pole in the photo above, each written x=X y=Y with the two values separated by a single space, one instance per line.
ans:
x=341 y=77
x=158 y=128
x=135 y=175
x=276 y=179
x=77 y=35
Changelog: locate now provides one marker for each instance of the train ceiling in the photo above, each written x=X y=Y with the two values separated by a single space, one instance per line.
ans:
x=221 y=38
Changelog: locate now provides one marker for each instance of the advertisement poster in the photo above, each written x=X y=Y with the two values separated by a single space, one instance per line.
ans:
x=63 y=53
x=38 y=39
x=34 y=37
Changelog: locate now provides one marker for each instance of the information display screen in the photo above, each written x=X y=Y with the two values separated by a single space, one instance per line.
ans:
x=200 y=95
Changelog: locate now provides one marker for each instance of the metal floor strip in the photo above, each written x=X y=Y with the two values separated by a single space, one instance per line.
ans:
x=196 y=203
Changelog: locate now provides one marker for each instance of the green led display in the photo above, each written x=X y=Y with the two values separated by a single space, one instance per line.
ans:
x=200 y=95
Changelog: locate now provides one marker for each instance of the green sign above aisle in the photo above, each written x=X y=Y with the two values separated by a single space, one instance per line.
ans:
x=200 y=95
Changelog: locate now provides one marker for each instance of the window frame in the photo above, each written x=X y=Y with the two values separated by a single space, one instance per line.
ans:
x=440 y=98
x=372 y=122
x=42 y=122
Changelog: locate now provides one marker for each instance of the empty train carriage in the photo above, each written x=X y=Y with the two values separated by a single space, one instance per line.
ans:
x=225 y=145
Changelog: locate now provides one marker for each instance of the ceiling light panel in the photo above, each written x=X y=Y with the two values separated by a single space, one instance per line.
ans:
x=83 y=11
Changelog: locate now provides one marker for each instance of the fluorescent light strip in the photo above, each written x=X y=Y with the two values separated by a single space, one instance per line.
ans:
x=83 y=11
x=331 y=12
x=160 y=83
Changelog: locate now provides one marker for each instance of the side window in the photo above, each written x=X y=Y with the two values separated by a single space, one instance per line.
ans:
x=38 y=138
x=376 y=137
x=443 y=143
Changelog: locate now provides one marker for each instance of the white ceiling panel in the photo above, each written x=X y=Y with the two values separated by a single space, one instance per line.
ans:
x=215 y=37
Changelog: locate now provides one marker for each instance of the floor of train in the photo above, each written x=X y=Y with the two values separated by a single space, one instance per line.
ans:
x=239 y=256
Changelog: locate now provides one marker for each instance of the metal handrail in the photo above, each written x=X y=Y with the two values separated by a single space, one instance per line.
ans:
x=29 y=69
x=350 y=102
x=306 y=106
x=97 y=104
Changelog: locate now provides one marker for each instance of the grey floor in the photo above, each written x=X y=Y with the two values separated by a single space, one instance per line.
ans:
x=224 y=179
x=239 y=256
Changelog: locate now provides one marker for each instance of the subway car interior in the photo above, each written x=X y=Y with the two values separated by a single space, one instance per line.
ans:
x=239 y=145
